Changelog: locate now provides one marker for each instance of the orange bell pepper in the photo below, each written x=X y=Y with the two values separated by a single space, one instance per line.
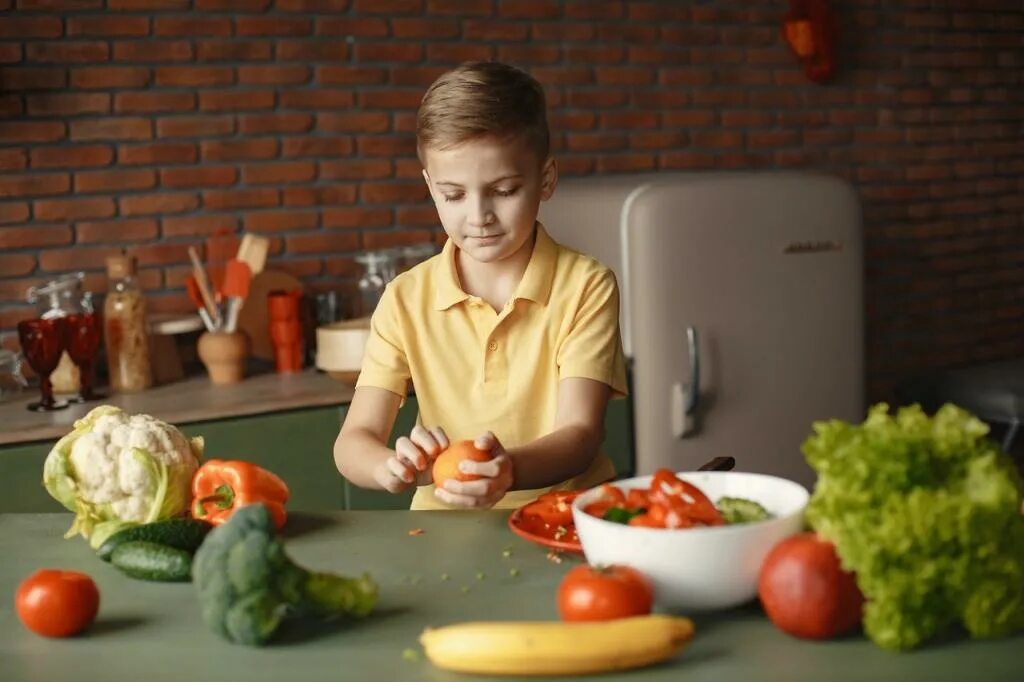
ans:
x=220 y=487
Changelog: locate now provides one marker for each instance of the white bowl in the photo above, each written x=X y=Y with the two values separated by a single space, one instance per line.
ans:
x=698 y=569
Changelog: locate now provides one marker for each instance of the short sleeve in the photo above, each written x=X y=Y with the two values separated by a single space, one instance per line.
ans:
x=592 y=348
x=385 y=362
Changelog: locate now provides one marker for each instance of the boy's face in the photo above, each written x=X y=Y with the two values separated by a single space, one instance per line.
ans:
x=487 y=194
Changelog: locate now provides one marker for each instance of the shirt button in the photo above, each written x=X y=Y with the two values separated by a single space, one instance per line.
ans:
x=493 y=345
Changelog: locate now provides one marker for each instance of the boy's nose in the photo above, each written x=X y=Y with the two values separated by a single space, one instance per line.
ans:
x=480 y=213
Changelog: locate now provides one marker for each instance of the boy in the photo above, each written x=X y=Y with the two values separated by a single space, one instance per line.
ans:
x=509 y=339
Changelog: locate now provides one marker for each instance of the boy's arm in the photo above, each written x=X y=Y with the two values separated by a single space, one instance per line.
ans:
x=573 y=442
x=361 y=446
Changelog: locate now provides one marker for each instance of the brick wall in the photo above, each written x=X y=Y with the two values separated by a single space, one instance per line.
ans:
x=159 y=124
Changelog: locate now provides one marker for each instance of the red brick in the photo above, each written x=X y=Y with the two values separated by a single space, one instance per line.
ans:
x=301 y=268
x=158 y=202
x=198 y=225
x=17 y=265
x=322 y=242
x=312 y=6
x=455 y=53
x=689 y=118
x=199 y=176
x=13 y=159
x=416 y=75
x=317 y=146
x=15 y=132
x=262 y=124
x=147 y=5
x=71 y=157
x=357 y=27
x=191 y=26
x=386 y=193
x=312 y=51
x=350 y=75
x=626 y=163
x=67 y=51
x=659 y=140
x=589 y=142
x=237 y=150
x=73 y=209
x=388 y=52
x=15 y=78
x=389 y=7
x=320 y=98
x=114 y=180
x=11 y=212
x=112 y=128
x=280 y=221
x=194 y=76
x=229 y=100
x=241 y=198
x=530 y=54
x=68 y=104
x=416 y=215
x=104 y=26
x=273 y=26
x=10 y=53
x=20 y=27
x=386 y=145
x=291 y=74
x=390 y=99
x=195 y=126
x=356 y=169
x=232 y=5
x=530 y=9
x=362 y=122
x=102 y=77
x=33 y=184
x=408 y=169
x=34 y=236
x=158 y=153
x=459 y=8
x=494 y=31
x=235 y=50
x=152 y=51
x=153 y=102
x=279 y=173
x=136 y=230
x=629 y=120
x=319 y=196
x=564 y=32
x=11 y=106
x=388 y=238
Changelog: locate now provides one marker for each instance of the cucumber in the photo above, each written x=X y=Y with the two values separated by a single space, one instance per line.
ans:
x=152 y=561
x=186 y=534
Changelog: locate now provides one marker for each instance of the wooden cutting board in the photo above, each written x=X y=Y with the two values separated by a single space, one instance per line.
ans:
x=253 y=317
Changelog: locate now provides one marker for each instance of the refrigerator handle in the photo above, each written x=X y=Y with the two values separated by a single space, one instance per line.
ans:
x=685 y=400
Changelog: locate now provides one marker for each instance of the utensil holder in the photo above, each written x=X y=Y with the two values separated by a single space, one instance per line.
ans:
x=224 y=354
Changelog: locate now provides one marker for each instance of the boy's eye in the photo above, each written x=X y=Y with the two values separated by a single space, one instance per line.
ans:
x=506 y=192
x=452 y=197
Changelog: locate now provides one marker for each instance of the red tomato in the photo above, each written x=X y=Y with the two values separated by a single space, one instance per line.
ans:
x=57 y=603
x=604 y=593
x=805 y=591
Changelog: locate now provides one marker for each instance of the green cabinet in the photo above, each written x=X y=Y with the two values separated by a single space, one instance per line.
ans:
x=297 y=445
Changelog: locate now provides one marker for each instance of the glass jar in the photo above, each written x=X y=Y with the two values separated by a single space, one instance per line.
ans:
x=125 y=328
x=377 y=266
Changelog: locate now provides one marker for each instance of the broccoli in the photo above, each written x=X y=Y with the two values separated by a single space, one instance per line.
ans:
x=247 y=585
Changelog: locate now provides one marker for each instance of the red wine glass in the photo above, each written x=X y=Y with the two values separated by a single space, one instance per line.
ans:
x=83 y=336
x=43 y=342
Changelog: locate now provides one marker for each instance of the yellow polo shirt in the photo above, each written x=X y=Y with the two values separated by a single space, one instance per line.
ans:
x=476 y=370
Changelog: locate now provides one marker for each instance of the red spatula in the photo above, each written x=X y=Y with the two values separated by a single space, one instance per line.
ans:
x=235 y=287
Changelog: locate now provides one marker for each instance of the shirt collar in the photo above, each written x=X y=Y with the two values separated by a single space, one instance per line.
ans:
x=535 y=285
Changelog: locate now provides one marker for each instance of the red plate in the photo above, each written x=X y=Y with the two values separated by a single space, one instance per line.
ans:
x=516 y=523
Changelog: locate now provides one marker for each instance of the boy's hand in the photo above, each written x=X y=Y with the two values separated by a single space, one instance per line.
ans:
x=488 y=490
x=413 y=459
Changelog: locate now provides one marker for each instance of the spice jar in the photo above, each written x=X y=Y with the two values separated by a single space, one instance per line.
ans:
x=125 y=330
x=59 y=298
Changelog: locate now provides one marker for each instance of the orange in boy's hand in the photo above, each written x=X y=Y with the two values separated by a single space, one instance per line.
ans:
x=446 y=465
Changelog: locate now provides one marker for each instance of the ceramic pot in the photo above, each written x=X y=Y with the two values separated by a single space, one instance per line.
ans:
x=224 y=354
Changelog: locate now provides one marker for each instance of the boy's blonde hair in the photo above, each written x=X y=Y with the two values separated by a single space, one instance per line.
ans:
x=483 y=99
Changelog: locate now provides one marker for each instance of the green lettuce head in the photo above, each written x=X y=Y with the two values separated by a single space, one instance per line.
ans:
x=114 y=470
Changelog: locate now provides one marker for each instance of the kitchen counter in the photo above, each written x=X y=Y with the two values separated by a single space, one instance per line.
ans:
x=190 y=400
x=153 y=631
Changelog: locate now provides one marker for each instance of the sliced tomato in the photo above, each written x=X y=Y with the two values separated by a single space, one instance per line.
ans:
x=646 y=520
x=638 y=498
x=553 y=508
x=666 y=488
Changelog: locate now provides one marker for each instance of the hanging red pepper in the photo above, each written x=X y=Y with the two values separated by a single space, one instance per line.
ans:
x=809 y=29
x=220 y=487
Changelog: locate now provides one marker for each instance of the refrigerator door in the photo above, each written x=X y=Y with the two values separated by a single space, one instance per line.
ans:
x=755 y=279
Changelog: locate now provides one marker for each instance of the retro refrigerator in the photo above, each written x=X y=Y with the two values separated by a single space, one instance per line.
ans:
x=742 y=315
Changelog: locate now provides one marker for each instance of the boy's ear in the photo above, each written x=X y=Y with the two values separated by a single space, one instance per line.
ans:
x=548 y=178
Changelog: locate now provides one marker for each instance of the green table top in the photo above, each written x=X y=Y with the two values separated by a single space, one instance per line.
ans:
x=152 y=631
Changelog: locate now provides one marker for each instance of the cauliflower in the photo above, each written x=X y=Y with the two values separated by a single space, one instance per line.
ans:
x=115 y=469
